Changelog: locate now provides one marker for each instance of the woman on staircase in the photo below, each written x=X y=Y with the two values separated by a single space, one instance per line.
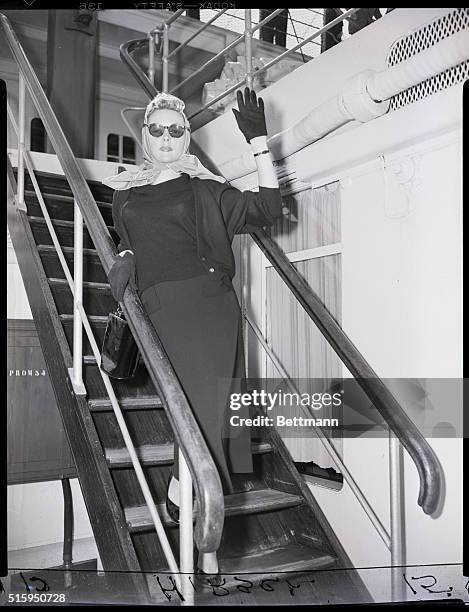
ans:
x=176 y=221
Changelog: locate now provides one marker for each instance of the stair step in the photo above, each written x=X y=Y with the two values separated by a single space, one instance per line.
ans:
x=128 y=403
x=98 y=327
x=64 y=231
x=97 y=319
x=97 y=297
x=50 y=248
x=92 y=267
x=60 y=222
x=283 y=562
x=89 y=359
x=61 y=206
x=247 y=502
x=53 y=183
x=63 y=198
x=86 y=284
x=159 y=454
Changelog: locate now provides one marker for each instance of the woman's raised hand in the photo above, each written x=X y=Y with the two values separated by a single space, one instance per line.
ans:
x=250 y=116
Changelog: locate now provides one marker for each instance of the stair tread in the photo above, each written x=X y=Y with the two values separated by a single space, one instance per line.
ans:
x=292 y=558
x=61 y=178
x=56 y=196
x=98 y=319
x=246 y=502
x=50 y=248
x=88 y=284
x=145 y=402
x=89 y=359
x=62 y=222
x=159 y=454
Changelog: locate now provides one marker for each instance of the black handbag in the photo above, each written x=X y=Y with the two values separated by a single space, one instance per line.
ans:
x=119 y=354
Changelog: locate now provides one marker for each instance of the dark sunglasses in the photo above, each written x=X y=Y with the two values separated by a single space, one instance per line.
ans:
x=174 y=130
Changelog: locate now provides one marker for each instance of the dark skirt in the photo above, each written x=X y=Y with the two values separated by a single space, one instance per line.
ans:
x=199 y=323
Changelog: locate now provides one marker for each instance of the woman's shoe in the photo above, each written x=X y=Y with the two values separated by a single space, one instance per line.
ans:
x=207 y=581
x=171 y=508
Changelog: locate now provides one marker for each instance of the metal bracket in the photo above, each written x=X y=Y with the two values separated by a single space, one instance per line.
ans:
x=78 y=388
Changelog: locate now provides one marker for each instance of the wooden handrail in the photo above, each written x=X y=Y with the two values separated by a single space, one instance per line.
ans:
x=425 y=460
x=207 y=483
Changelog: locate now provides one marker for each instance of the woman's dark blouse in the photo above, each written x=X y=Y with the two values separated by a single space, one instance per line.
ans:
x=160 y=220
x=221 y=211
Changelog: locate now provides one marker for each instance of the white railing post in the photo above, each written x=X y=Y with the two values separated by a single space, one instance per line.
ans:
x=21 y=143
x=186 y=531
x=248 y=46
x=165 y=61
x=151 y=56
x=77 y=370
x=244 y=245
x=397 y=517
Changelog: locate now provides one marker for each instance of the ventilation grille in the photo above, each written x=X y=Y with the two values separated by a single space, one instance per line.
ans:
x=423 y=39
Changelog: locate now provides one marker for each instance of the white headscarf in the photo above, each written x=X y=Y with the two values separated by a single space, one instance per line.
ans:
x=147 y=172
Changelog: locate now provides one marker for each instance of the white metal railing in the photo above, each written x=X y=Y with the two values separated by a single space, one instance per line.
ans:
x=80 y=319
x=162 y=33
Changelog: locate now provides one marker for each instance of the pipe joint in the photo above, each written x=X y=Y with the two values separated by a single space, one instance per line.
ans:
x=357 y=101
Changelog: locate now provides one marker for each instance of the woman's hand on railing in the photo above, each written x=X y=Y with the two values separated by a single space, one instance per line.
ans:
x=122 y=272
x=250 y=117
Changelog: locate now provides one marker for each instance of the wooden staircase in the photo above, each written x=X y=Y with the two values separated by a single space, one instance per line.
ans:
x=273 y=527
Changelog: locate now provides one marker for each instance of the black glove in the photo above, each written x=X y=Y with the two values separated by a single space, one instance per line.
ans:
x=122 y=273
x=250 y=116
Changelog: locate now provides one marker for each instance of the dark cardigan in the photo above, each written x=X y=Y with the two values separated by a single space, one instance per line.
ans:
x=221 y=212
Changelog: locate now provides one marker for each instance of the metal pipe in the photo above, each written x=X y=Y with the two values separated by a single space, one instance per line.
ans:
x=173 y=17
x=248 y=47
x=125 y=51
x=196 y=33
x=441 y=56
x=186 y=531
x=21 y=144
x=135 y=136
x=151 y=57
x=328 y=445
x=67 y=554
x=68 y=524
x=265 y=20
x=165 y=63
x=396 y=499
x=77 y=297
